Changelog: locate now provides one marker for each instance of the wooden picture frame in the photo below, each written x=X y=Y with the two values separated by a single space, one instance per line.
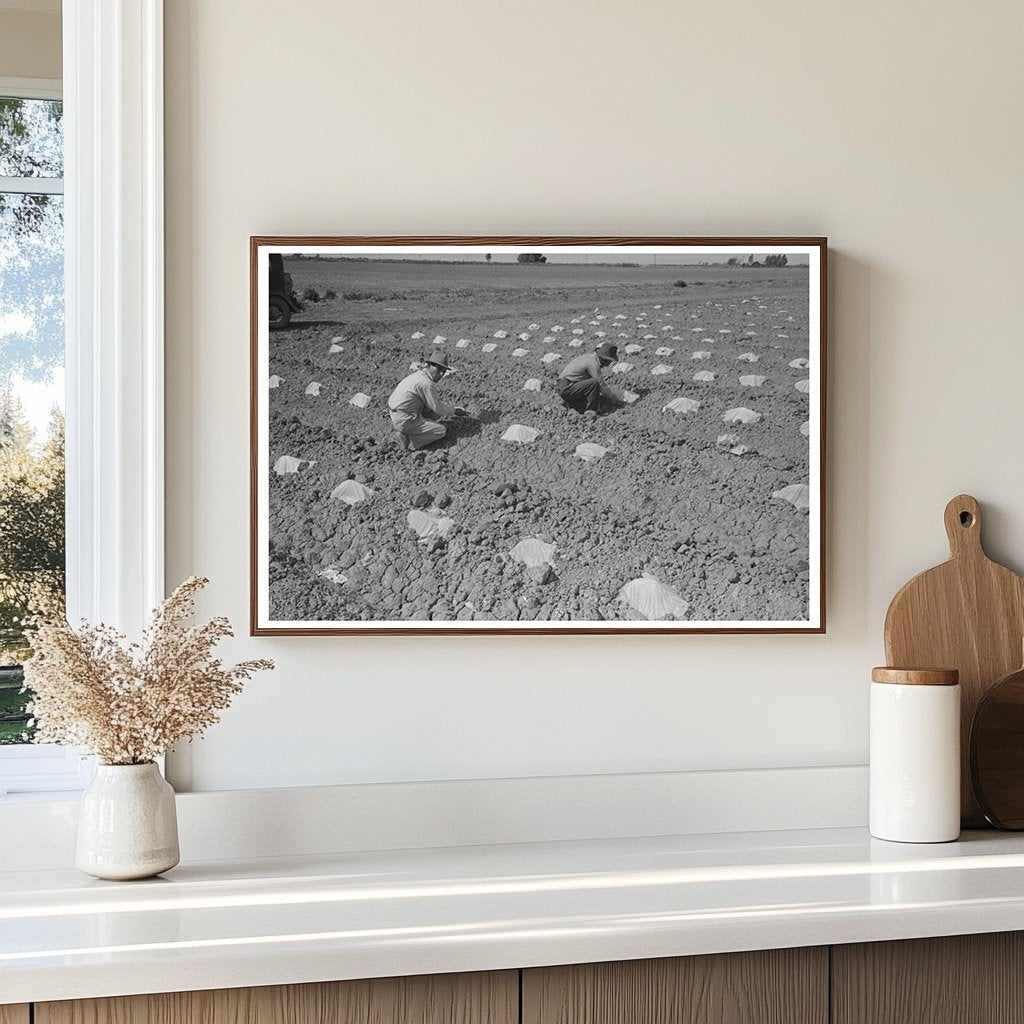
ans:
x=743 y=534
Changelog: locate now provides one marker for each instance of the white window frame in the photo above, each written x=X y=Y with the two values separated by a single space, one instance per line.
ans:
x=114 y=325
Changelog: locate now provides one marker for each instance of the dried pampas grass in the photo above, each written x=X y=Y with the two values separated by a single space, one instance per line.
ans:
x=130 y=703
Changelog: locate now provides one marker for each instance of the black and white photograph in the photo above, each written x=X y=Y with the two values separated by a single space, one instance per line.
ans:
x=537 y=435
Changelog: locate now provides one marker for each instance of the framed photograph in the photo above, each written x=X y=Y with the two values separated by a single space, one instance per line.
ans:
x=537 y=435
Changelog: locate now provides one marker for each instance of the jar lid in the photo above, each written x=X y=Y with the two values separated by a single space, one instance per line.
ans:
x=916 y=676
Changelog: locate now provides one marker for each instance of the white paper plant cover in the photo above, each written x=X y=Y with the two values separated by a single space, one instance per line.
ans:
x=313 y=389
x=439 y=339
x=520 y=434
x=599 y=334
x=631 y=350
x=799 y=364
x=462 y=343
x=752 y=380
x=533 y=327
x=287 y=464
x=532 y=385
x=724 y=330
x=417 y=335
x=649 y=337
x=489 y=347
x=335 y=349
x=701 y=355
x=704 y=376
x=524 y=336
x=681 y=405
x=577 y=330
x=663 y=351
x=556 y=328
x=351 y=492
x=803 y=386
x=550 y=357
x=334 y=574
x=741 y=415
x=520 y=352
x=652 y=599
x=576 y=342
x=622 y=367
x=660 y=370
x=549 y=339
x=805 y=428
x=746 y=357
x=798 y=495
x=532 y=551
x=275 y=381
x=590 y=452
x=629 y=397
x=337 y=339
x=731 y=444
x=429 y=525
x=501 y=334
x=359 y=400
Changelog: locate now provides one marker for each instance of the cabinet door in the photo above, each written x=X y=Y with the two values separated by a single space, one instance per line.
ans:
x=777 y=986
x=14 y=1014
x=961 y=979
x=483 y=998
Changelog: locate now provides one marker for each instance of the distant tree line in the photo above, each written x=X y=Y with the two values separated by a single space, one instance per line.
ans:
x=774 y=260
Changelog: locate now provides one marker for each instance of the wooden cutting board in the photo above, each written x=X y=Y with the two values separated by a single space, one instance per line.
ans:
x=967 y=614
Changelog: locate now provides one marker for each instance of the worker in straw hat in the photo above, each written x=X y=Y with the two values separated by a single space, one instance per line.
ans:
x=579 y=383
x=416 y=409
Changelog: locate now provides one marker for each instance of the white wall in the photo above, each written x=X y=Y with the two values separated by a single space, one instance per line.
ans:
x=894 y=129
x=30 y=41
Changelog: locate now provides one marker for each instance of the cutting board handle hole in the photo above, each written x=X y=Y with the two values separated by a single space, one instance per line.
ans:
x=966 y=519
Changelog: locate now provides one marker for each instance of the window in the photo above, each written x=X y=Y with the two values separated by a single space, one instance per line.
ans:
x=112 y=209
x=32 y=515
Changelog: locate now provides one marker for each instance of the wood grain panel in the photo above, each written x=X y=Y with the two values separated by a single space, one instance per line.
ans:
x=778 y=986
x=481 y=998
x=14 y=1014
x=967 y=614
x=961 y=979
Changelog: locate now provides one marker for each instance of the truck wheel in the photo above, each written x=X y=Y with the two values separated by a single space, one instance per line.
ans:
x=280 y=314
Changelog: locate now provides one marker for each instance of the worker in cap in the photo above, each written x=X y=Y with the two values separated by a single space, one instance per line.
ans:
x=417 y=409
x=579 y=383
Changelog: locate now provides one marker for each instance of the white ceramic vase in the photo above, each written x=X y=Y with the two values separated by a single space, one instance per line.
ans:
x=127 y=825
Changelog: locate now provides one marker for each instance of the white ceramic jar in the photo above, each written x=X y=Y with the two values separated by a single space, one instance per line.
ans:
x=127 y=823
x=915 y=755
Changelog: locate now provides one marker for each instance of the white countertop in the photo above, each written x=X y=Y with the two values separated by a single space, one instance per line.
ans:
x=225 y=924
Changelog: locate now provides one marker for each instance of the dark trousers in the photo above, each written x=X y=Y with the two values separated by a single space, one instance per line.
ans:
x=581 y=395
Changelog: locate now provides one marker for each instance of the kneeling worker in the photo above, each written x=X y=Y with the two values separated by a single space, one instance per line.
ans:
x=579 y=383
x=416 y=408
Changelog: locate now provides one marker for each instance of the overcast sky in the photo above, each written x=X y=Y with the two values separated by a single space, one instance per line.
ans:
x=584 y=258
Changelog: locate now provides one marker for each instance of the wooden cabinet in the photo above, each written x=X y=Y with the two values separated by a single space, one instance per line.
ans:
x=777 y=986
x=967 y=979
x=962 y=979
x=482 y=998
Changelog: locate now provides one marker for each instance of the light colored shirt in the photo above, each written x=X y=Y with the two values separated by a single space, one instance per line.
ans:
x=417 y=393
x=585 y=367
